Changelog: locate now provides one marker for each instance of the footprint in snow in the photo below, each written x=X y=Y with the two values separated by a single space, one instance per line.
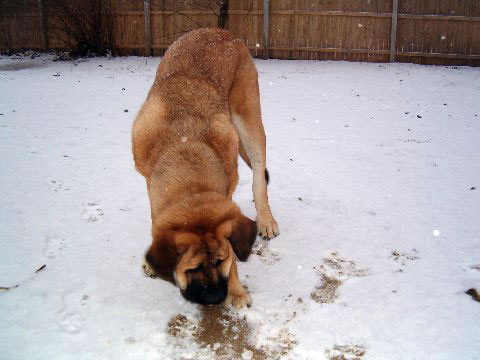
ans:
x=57 y=186
x=332 y=273
x=345 y=352
x=475 y=267
x=53 y=246
x=402 y=257
x=92 y=212
x=261 y=248
x=73 y=314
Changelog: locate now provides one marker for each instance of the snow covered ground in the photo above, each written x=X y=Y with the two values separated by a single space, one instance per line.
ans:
x=375 y=183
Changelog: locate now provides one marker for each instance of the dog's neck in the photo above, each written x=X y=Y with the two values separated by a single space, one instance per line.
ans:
x=192 y=210
x=187 y=170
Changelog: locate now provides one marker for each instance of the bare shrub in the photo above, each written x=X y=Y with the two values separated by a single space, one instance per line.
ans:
x=85 y=26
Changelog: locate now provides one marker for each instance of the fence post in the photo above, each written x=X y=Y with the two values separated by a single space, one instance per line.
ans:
x=148 y=34
x=43 y=24
x=393 y=35
x=266 y=28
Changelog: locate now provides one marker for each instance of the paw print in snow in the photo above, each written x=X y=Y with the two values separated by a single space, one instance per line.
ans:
x=403 y=257
x=73 y=314
x=267 y=256
x=342 y=268
x=475 y=267
x=332 y=274
x=345 y=352
x=53 y=246
x=58 y=186
x=92 y=212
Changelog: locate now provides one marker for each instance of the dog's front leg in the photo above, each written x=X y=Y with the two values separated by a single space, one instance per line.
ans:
x=252 y=136
x=244 y=101
x=237 y=295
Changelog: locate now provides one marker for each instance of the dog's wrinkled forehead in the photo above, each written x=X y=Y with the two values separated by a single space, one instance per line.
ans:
x=207 y=244
x=210 y=239
x=210 y=243
x=213 y=248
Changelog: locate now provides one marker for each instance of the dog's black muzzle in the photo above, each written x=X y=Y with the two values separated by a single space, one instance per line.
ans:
x=206 y=294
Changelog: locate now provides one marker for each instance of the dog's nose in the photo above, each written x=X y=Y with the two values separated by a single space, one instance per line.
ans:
x=213 y=296
x=206 y=294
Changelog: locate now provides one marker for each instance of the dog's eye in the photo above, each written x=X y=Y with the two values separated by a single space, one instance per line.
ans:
x=218 y=262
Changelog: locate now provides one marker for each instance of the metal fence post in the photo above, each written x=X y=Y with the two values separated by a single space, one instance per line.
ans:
x=266 y=28
x=393 y=35
x=148 y=34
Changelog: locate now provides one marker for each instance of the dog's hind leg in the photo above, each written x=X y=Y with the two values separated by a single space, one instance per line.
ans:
x=244 y=101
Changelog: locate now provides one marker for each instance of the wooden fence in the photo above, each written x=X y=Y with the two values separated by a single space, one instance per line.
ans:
x=427 y=32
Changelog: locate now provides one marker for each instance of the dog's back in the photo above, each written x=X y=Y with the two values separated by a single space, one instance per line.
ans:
x=183 y=133
x=208 y=54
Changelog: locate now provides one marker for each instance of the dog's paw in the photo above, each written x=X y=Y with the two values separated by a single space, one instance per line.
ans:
x=148 y=271
x=238 y=298
x=267 y=227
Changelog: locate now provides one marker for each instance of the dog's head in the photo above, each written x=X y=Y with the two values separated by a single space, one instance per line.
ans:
x=198 y=258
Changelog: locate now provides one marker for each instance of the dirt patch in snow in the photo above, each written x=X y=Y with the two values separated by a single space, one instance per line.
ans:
x=228 y=336
x=222 y=335
x=345 y=352
x=265 y=254
x=326 y=292
x=179 y=325
x=343 y=268
x=332 y=273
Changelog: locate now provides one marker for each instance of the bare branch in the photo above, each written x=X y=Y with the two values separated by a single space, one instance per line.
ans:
x=189 y=18
x=85 y=25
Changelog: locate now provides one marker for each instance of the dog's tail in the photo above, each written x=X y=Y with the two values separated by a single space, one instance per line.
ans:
x=244 y=156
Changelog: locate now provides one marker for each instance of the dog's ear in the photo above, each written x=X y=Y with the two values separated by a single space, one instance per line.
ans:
x=162 y=257
x=244 y=232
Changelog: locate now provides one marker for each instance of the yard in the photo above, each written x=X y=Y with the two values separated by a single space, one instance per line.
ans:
x=375 y=184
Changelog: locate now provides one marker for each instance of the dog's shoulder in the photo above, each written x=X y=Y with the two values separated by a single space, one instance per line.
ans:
x=148 y=129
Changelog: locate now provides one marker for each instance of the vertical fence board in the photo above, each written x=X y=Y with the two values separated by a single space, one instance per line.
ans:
x=43 y=24
x=148 y=34
x=393 y=37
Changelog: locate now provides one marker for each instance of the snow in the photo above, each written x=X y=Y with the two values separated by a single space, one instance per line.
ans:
x=378 y=211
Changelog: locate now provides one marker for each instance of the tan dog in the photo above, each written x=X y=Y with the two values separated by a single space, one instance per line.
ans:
x=186 y=145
